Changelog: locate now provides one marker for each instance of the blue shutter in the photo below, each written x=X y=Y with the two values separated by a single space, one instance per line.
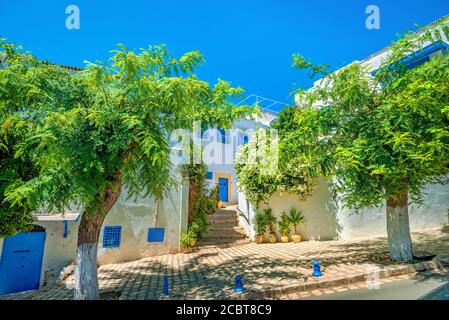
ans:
x=112 y=236
x=156 y=234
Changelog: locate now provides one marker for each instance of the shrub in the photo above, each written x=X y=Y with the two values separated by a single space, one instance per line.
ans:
x=284 y=225
x=295 y=218
x=270 y=220
x=259 y=223
x=189 y=236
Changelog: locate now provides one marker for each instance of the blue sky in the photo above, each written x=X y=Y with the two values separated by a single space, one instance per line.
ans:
x=249 y=43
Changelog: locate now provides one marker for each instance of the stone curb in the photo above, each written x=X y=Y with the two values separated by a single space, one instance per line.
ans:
x=320 y=283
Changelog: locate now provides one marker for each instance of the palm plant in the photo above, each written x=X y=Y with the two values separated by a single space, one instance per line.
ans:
x=259 y=223
x=284 y=225
x=270 y=220
x=295 y=218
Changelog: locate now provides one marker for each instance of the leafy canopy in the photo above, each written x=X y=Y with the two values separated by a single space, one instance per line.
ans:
x=107 y=125
x=380 y=134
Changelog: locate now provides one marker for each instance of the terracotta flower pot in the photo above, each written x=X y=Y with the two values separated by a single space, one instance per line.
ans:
x=259 y=239
x=284 y=239
x=192 y=243
x=296 y=238
x=273 y=238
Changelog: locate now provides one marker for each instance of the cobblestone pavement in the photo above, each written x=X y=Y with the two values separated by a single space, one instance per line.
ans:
x=267 y=269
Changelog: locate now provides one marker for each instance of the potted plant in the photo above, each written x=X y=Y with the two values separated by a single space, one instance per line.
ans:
x=270 y=222
x=284 y=227
x=188 y=239
x=295 y=218
x=259 y=226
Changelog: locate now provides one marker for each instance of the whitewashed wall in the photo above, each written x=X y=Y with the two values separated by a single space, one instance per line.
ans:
x=58 y=251
x=326 y=218
x=136 y=216
x=246 y=127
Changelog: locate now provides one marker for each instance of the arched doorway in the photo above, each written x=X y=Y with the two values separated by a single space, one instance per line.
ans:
x=21 y=261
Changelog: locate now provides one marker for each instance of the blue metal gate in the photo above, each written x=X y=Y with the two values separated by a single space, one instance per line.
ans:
x=223 y=189
x=21 y=261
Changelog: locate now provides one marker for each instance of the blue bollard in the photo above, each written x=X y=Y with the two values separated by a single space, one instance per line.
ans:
x=238 y=284
x=316 y=269
x=166 y=285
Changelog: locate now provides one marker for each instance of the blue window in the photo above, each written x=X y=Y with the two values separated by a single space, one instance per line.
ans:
x=156 y=234
x=112 y=236
x=209 y=175
x=245 y=139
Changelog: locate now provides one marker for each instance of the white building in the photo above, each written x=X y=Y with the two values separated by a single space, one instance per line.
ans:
x=221 y=173
x=326 y=217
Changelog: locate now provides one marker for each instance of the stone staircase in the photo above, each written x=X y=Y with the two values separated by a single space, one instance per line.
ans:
x=223 y=228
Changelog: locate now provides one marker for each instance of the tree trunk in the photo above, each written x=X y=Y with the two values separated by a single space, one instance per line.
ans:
x=399 y=240
x=156 y=214
x=86 y=277
x=193 y=193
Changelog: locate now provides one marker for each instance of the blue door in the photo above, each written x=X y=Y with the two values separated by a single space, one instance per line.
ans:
x=21 y=262
x=223 y=189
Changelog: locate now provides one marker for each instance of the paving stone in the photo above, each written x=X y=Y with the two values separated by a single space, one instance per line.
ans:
x=269 y=271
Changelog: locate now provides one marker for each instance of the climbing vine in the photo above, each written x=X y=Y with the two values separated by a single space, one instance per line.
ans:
x=202 y=200
x=260 y=174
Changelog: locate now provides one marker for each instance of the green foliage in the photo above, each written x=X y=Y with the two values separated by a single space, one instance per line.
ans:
x=270 y=220
x=300 y=63
x=284 y=224
x=106 y=126
x=189 y=236
x=205 y=202
x=295 y=218
x=257 y=174
x=25 y=82
x=259 y=223
x=378 y=141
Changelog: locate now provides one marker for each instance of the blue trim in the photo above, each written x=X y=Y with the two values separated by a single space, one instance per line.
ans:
x=112 y=236
x=156 y=234
x=245 y=139
x=66 y=228
x=421 y=56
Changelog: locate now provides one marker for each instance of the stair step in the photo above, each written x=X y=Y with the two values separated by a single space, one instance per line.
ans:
x=224 y=236
x=224 y=211
x=222 y=220
x=225 y=228
x=222 y=225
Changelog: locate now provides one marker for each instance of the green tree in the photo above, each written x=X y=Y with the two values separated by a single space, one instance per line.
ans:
x=29 y=90
x=113 y=135
x=383 y=136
